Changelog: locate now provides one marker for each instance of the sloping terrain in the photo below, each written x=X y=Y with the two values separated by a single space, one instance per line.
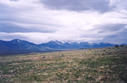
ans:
x=105 y=65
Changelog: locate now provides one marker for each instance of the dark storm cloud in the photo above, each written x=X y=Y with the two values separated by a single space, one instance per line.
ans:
x=78 y=5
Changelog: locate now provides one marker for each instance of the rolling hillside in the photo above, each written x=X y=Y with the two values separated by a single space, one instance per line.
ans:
x=105 y=65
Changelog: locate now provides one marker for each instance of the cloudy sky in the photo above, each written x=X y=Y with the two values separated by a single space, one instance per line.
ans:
x=64 y=20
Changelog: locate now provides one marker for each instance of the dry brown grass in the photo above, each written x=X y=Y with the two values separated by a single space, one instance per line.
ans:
x=105 y=65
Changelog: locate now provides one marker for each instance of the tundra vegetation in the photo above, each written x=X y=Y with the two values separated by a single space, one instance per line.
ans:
x=101 y=65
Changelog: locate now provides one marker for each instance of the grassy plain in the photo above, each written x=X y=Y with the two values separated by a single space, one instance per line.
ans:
x=102 y=65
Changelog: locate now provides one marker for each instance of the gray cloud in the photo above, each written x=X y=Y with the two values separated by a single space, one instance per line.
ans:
x=10 y=21
x=7 y=37
x=8 y=27
x=111 y=33
x=119 y=4
x=119 y=38
x=78 y=5
x=33 y=22
x=116 y=33
x=111 y=28
x=14 y=0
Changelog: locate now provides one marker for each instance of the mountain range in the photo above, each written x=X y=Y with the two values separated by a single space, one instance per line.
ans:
x=18 y=46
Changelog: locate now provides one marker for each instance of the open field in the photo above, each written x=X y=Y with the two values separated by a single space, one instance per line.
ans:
x=104 y=65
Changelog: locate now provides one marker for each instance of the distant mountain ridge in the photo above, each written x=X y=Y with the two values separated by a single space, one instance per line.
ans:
x=18 y=46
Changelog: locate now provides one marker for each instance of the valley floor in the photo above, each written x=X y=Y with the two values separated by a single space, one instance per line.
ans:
x=104 y=65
